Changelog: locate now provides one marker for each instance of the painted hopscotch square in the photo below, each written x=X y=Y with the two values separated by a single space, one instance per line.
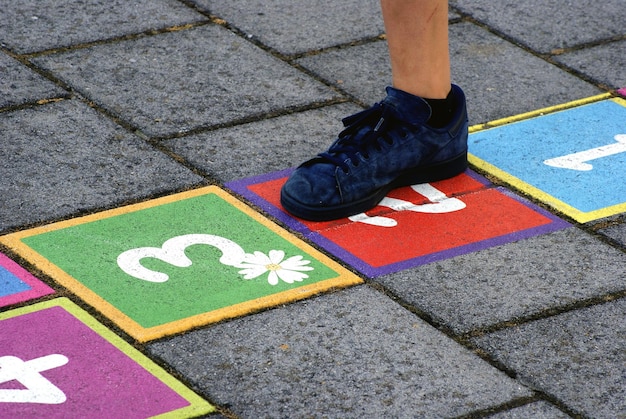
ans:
x=17 y=284
x=413 y=225
x=572 y=157
x=173 y=263
x=59 y=362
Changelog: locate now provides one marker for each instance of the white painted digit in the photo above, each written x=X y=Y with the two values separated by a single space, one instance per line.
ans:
x=578 y=161
x=173 y=253
x=439 y=204
x=38 y=388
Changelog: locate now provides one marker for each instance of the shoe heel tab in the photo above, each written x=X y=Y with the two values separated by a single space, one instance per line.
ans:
x=460 y=114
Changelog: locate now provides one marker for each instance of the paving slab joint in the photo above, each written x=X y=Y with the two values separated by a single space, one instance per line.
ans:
x=423 y=315
x=538 y=394
x=548 y=57
x=24 y=59
x=483 y=413
x=551 y=312
x=40 y=102
x=586 y=45
x=353 y=43
x=290 y=110
x=594 y=231
x=290 y=58
x=115 y=39
x=236 y=30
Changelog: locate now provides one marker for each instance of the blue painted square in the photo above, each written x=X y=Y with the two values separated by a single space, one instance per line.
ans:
x=10 y=284
x=587 y=142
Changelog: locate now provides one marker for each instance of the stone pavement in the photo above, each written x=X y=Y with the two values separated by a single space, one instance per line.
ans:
x=125 y=124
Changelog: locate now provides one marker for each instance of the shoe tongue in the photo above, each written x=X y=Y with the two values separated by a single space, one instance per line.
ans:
x=410 y=108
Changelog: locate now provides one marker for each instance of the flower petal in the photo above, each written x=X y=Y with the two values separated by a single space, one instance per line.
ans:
x=272 y=278
x=291 y=276
x=295 y=263
x=276 y=256
x=260 y=258
x=251 y=260
x=253 y=271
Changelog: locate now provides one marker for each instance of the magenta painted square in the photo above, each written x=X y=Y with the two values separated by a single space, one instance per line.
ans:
x=17 y=285
x=78 y=373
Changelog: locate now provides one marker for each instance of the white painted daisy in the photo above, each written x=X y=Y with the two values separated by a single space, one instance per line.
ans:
x=288 y=270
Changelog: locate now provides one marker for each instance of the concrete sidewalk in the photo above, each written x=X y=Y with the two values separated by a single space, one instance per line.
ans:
x=105 y=104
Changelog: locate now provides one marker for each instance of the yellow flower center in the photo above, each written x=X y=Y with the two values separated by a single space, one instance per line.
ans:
x=273 y=267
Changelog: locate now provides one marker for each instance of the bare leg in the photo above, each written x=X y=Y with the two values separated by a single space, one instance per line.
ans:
x=417 y=34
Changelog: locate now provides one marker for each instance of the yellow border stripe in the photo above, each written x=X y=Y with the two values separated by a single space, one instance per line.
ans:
x=142 y=334
x=197 y=405
x=542 y=196
x=525 y=187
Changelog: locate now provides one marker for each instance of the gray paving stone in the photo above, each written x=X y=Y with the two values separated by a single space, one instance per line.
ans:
x=545 y=25
x=64 y=157
x=20 y=85
x=603 y=63
x=362 y=71
x=354 y=353
x=512 y=281
x=265 y=146
x=29 y=25
x=453 y=15
x=616 y=232
x=502 y=80
x=499 y=79
x=578 y=357
x=173 y=82
x=292 y=27
x=537 y=410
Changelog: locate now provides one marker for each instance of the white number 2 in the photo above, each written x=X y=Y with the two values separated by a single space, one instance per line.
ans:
x=439 y=204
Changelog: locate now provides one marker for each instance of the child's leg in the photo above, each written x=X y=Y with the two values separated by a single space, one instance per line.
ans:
x=417 y=34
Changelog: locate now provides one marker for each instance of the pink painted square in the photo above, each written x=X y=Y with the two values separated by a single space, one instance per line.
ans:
x=65 y=369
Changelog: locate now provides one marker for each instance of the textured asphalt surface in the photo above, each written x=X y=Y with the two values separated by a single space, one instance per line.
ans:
x=104 y=103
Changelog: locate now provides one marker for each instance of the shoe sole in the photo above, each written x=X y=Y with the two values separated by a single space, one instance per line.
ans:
x=440 y=171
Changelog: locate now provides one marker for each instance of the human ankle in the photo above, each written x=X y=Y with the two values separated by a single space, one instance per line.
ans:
x=442 y=111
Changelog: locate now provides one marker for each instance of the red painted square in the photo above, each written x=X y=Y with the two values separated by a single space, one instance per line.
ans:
x=443 y=219
x=488 y=214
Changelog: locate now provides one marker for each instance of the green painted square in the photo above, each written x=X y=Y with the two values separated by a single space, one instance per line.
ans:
x=88 y=252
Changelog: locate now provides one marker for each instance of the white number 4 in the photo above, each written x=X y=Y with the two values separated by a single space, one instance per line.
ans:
x=37 y=388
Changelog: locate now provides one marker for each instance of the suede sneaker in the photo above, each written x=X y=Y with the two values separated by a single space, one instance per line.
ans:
x=382 y=148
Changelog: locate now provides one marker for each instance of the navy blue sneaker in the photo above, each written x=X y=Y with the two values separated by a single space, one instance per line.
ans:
x=382 y=148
